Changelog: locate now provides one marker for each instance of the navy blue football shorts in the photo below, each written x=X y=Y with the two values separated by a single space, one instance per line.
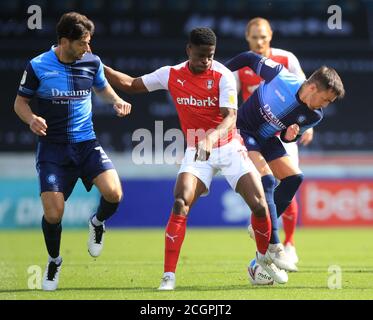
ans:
x=60 y=166
x=271 y=148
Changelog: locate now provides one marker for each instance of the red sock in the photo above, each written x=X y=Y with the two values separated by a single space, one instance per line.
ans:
x=289 y=219
x=174 y=237
x=262 y=228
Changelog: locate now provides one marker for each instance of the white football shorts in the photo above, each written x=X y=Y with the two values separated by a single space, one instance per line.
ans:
x=231 y=160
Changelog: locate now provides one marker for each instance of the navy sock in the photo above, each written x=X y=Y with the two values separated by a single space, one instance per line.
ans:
x=269 y=184
x=52 y=237
x=285 y=192
x=106 y=209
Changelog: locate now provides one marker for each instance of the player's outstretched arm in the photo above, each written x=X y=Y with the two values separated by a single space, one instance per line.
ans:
x=121 y=107
x=124 y=82
x=264 y=67
x=244 y=59
x=22 y=108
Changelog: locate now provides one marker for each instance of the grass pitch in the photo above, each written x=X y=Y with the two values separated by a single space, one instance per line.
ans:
x=212 y=265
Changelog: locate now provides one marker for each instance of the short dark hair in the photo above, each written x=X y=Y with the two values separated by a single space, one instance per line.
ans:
x=202 y=36
x=74 y=26
x=327 y=78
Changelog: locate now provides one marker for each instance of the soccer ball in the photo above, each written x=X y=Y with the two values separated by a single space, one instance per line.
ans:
x=257 y=275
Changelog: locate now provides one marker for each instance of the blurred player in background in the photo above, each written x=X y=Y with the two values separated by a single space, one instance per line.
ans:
x=204 y=93
x=258 y=36
x=284 y=103
x=61 y=80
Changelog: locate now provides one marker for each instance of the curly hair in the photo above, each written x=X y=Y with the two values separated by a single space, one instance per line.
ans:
x=202 y=36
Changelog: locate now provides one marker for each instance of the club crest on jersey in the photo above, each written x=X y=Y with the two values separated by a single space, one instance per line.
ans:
x=301 y=119
x=251 y=141
x=210 y=84
x=52 y=178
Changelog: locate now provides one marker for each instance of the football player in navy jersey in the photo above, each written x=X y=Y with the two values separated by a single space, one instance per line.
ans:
x=285 y=103
x=62 y=80
x=258 y=36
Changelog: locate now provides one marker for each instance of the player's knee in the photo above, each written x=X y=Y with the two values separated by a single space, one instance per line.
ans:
x=115 y=195
x=53 y=217
x=260 y=209
x=180 y=207
x=53 y=209
x=269 y=182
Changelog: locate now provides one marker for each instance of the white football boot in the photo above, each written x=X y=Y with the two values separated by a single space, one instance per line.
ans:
x=277 y=253
x=291 y=253
x=265 y=261
x=95 y=239
x=51 y=276
x=279 y=257
x=168 y=282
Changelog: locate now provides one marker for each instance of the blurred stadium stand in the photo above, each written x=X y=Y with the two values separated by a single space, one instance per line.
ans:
x=140 y=36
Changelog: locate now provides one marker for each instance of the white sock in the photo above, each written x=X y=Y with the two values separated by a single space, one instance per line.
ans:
x=96 y=222
x=170 y=274
x=57 y=260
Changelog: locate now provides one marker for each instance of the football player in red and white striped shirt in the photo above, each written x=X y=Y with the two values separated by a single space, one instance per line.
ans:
x=258 y=37
x=205 y=96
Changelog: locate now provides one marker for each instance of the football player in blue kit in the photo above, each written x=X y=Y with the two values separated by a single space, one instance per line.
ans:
x=62 y=80
x=287 y=104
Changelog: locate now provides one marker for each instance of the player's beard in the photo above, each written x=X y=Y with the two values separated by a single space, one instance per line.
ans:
x=75 y=55
x=79 y=55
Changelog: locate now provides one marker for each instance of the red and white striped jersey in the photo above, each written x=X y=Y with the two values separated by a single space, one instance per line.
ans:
x=248 y=81
x=197 y=97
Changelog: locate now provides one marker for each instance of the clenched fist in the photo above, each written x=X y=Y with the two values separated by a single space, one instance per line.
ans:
x=292 y=132
x=122 y=108
x=203 y=150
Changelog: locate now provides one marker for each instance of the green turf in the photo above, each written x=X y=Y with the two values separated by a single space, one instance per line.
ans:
x=212 y=265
